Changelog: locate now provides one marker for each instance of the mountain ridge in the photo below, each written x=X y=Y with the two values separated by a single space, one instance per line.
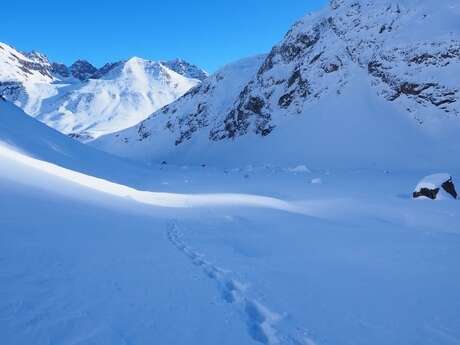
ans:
x=349 y=48
x=77 y=99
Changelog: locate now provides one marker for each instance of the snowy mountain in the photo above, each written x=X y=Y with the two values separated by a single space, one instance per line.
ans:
x=186 y=69
x=86 y=102
x=121 y=97
x=374 y=82
x=189 y=116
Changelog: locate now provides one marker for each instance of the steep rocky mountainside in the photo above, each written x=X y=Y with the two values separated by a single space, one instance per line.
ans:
x=186 y=69
x=85 y=102
x=389 y=65
x=195 y=111
x=410 y=50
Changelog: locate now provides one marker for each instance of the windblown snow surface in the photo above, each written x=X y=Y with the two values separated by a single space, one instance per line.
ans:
x=97 y=250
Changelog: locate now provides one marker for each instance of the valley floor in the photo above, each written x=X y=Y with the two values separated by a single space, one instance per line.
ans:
x=322 y=257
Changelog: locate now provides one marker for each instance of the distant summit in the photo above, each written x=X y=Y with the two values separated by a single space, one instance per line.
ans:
x=84 y=101
x=186 y=69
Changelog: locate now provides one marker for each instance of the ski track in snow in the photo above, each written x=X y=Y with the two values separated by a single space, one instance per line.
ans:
x=262 y=323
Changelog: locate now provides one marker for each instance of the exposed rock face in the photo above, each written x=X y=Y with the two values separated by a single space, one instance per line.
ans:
x=82 y=70
x=431 y=186
x=449 y=187
x=11 y=90
x=203 y=103
x=427 y=192
x=60 y=69
x=186 y=69
x=106 y=69
x=315 y=58
x=29 y=64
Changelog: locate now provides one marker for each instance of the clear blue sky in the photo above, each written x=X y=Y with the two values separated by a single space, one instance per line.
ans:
x=206 y=32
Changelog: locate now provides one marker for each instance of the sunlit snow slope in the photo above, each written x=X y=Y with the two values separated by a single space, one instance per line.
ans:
x=248 y=256
x=86 y=102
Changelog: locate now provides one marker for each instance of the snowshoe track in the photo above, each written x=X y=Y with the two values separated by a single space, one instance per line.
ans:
x=262 y=323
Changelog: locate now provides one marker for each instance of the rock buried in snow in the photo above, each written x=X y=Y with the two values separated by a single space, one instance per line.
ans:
x=435 y=186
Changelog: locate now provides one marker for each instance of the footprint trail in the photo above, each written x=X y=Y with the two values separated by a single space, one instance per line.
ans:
x=263 y=324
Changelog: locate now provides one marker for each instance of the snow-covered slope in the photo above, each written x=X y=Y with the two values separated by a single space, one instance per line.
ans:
x=373 y=83
x=29 y=136
x=120 y=98
x=84 y=101
x=189 y=116
x=25 y=79
x=273 y=260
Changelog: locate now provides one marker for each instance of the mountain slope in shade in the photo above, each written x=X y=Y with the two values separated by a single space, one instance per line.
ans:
x=84 y=101
x=367 y=82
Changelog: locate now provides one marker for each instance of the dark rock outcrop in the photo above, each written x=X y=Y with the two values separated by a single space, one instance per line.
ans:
x=431 y=186
x=82 y=70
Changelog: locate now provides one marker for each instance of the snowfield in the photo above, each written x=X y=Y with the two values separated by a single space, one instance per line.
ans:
x=255 y=255
x=271 y=204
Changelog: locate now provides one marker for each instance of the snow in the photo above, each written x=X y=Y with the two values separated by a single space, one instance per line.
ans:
x=215 y=95
x=433 y=181
x=367 y=132
x=307 y=235
x=149 y=198
x=186 y=69
x=300 y=169
x=95 y=249
x=118 y=97
x=365 y=84
x=10 y=66
x=90 y=263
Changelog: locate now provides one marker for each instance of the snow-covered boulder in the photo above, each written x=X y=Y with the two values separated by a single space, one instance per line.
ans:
x=435 y=187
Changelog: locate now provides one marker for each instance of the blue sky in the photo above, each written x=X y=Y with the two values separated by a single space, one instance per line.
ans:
x=208 y=33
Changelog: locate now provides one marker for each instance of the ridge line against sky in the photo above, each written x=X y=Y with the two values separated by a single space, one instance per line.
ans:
x=207 y=33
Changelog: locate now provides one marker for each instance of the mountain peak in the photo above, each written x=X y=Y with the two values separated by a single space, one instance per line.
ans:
x=136 y=59
x=37 y=57
x=186 y=69
x=82 y=70
x=17 y=67
x=87 y=101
